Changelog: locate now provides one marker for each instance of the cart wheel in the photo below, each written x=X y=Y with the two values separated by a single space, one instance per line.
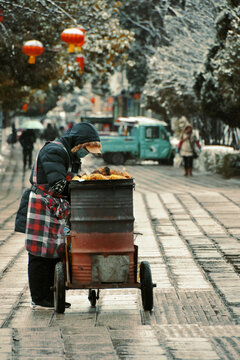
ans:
x=92 y=297
x=59 y=288
x=146 y=285
x=117 y=158
x=107 y=158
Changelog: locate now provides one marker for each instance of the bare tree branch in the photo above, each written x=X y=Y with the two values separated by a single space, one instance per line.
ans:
x=63 y=11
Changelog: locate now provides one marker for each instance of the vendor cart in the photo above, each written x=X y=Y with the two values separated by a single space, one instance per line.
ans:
x=100 y=251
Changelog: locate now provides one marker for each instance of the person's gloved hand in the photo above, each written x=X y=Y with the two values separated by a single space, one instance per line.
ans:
x=63 y=209
x=58 y=187
x=58 y=206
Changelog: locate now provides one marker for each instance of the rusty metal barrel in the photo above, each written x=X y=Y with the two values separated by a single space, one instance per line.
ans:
x=102 y=225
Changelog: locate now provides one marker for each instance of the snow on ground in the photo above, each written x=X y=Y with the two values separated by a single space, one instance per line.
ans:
x=211 y=156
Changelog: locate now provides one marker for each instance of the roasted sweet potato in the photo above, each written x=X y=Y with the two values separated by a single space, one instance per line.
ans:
x=102 y=170
x=104 y=173
x=116 y=177
x=84 y=177
x=76 y=177
x=97 y=177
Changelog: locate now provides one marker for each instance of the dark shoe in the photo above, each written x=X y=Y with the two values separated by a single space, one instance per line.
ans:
x=67 y=305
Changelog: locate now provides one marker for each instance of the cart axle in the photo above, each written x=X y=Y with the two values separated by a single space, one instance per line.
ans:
x=103 y=286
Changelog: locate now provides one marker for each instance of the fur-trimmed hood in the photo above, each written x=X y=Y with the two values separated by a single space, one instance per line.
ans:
x=92 y=146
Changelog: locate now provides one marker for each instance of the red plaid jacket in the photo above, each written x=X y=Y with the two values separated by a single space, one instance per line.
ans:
x=45 y=221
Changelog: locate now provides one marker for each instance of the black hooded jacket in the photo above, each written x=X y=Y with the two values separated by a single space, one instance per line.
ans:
x=53 y=163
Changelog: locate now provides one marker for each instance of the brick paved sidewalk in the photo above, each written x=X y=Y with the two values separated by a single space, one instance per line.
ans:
x=191 y=239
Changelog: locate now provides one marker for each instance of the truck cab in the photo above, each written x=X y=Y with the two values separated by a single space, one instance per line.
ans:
x=147 y=139
x=154 y=142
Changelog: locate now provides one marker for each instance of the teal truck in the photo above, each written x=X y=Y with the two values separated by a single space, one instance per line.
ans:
x=147 y=139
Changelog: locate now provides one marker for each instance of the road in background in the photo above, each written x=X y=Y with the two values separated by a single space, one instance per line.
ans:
x=190 y=235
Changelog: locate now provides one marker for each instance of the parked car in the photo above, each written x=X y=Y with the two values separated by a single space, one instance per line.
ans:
x=145 y=139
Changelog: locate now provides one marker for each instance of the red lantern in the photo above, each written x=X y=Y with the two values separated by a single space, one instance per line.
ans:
x=79 y=45
x=33 y=48
x=1 y=16
x=25 y=107
x=72 y=37
x=136 y=96
x=81 y=63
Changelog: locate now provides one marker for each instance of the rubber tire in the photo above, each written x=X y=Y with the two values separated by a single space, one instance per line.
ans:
x=146 y=285
x=107 y=158
x=117 y=158
x=59 y=288
x=92 y=297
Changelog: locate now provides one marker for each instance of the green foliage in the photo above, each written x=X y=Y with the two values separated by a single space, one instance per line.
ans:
x=217 y=86
x=105 y=47
x=223 y=25
x=233 y=3
x=230 y=165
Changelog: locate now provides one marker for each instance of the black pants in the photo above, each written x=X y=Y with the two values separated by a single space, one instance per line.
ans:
x=27 y=157
x=41 y=277
x=188 y=162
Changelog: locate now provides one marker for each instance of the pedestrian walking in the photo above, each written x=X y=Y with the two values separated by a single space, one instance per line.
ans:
x=14 y=134
x=61 y=130
x=12 y=137
x=27 y=140
x=50 y=133
x=187 y=148
x=45 y=206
